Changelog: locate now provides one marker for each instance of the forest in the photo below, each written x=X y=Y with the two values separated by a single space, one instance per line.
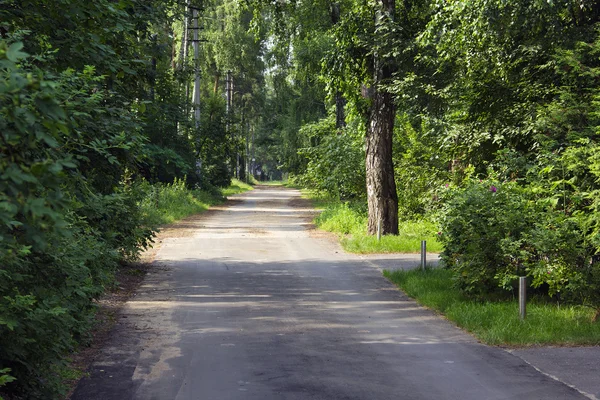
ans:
x=479 y=117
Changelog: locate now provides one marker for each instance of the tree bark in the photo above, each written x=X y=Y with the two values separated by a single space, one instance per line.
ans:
x=381 y=187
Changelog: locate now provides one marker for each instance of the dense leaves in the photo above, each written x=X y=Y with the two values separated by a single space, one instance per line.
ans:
x=505 y=93
x=60 y=239
x=494 y=134
x=91 y=102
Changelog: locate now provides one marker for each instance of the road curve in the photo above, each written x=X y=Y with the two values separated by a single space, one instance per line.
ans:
x=249 y=304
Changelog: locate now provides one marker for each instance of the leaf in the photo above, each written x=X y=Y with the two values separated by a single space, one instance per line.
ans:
x=14 y=52
x=17 y=176
x=11 y=324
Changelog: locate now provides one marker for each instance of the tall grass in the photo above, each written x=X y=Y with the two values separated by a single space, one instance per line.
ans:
x=498 y=322
x=349 y=220
x=166 y=203
x=236 y=187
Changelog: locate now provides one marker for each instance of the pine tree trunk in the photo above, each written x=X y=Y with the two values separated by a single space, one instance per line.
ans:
x=381 y=186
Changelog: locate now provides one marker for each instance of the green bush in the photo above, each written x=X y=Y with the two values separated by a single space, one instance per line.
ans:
x=482 y=229
x=344 y=218
x=63 y=229
x=335 y=162
x=494 y=232
x=163 y=203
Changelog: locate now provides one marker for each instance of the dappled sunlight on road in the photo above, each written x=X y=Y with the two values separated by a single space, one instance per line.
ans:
x=249 y=306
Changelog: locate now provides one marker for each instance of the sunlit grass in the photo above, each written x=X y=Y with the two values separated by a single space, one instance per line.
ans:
x=408 y=240
x=498 y=323
x=167 y=203
x=350 y=222
x=236 y=187
x=273 y=183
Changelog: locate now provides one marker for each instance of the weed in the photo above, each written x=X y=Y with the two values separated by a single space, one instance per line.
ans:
x=498 y=322
x=349 y=220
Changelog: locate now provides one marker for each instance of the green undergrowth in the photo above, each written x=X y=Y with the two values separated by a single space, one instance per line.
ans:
x=498 y=322
x=273 y=183
x=236 y=187
x=166 y=203
x=349 y=221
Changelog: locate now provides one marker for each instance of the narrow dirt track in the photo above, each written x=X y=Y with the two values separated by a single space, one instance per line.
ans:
x=247 y=304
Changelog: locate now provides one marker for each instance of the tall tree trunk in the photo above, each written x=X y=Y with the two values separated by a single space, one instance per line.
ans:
x=217 y=79
x=381 y=186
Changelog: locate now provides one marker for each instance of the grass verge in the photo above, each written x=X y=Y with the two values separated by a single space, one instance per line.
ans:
x=162 y=204
x=349 y=221
x=166 y=203
x=236 y=187
x=498 y=323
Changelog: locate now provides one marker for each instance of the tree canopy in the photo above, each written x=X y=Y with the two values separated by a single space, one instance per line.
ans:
x=482 y=116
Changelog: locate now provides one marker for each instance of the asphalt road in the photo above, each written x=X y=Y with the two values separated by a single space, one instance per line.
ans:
x=250 y=304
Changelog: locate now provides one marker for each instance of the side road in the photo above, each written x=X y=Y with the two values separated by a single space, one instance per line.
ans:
x=249 y=304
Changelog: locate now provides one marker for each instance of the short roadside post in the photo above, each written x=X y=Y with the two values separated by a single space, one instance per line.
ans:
x=522 y=296
x=423 y=254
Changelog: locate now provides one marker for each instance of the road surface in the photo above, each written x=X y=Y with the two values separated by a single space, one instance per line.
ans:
x=249 y=303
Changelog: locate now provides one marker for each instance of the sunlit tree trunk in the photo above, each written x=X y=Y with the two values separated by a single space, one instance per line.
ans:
x=381 y=186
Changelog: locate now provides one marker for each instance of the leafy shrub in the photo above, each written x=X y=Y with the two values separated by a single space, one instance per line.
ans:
x=164 y=203
x=495 y=232
x=419 y=168
x=482 y=228
x=344 y=218
x=62 y=231
x=335 y=161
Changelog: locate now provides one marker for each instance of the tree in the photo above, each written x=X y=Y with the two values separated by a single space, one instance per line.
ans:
x=381 y=186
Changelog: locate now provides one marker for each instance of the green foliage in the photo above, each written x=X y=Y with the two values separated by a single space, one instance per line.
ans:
x=236 y=187
x=419 y=168
x=5 y=378
x=495 y=232
x=62 y=234
x=335 y=161
x=498 y=322
x=482 y=228
x=213 y=146
x=165 y=203
x=349 y=220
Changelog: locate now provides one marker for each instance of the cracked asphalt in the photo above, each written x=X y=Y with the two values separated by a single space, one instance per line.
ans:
x=253 y=304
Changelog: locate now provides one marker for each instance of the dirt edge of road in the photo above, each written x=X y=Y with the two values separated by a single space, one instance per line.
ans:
x=128 y=279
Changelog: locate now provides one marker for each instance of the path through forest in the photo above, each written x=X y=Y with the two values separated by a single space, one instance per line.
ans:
x=249 y=303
